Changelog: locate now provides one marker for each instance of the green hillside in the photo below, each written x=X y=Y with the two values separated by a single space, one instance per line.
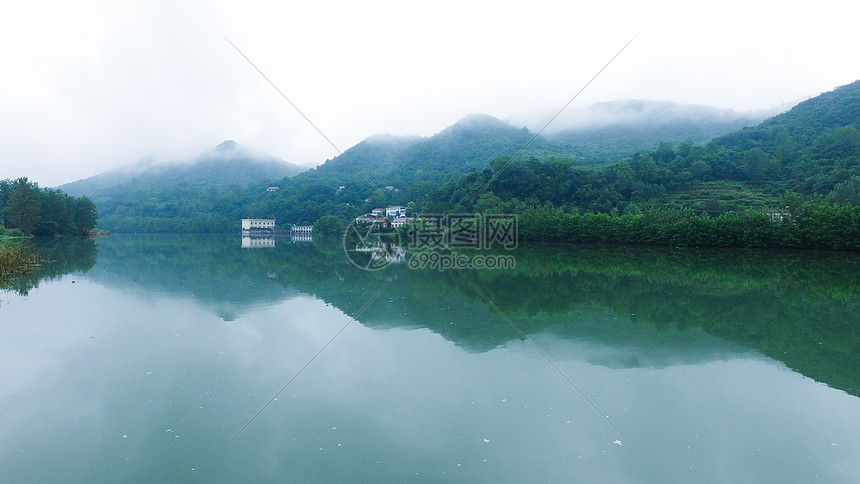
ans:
x=469 y=144
x=758 y=187
x=226 y=164
x=199 y=195
x=803 y=158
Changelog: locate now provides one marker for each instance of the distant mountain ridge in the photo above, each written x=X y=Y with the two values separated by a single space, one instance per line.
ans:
x=609 y=132
x=110 y=178
x=451 y=169
x=227 y=163
x=470 y=144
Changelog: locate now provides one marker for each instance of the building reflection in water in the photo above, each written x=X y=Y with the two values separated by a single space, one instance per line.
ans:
x=249 y=242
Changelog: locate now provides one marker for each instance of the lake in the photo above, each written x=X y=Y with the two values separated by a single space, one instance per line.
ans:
x=136 y=358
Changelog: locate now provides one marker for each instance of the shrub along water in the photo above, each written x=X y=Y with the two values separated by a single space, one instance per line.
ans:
x=15 y=261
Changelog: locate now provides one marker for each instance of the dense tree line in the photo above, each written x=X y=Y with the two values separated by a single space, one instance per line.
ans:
x=219 y=209
x=43 y=211
x=812 y=225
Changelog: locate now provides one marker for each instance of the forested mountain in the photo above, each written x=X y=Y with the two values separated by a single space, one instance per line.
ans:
x=178 y=198
x=108 y=179
x=738 y=190
x=815 y=145
x=811 y=150
x=226 y=164
x=612 y=131
x=469 y=144
x=191 y=196
x=215 y=191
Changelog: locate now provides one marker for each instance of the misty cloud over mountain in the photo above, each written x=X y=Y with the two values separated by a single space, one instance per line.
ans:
x=636 y=111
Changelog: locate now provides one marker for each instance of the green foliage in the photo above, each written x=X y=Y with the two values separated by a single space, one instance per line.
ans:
x=15 y=261
x=21 y=209
x=328 y=226
x=814 y=225
x=813 y=146
x=4 y=232
x=40 y=211
x=846 y=193
x=37 y=259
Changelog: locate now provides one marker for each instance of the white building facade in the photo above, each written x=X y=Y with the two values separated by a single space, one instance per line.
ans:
x=258 y=224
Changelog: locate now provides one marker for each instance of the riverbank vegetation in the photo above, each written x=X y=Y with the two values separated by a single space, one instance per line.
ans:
x=15 y=261
x=32 y=210
x=811 y=224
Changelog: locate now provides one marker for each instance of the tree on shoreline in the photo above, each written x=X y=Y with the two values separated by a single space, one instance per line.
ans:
x=42 y=211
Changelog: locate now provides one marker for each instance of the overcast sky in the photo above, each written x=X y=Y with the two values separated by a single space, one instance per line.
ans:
x=87 y=86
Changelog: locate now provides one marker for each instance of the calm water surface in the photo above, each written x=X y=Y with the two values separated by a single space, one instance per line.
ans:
x=138 y=358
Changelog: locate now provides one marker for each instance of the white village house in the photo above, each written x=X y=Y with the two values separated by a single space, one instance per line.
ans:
x=400 y=221
x=395 y=211
x=394 y=215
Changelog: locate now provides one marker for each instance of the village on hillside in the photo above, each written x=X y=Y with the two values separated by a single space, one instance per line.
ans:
x=393 y=216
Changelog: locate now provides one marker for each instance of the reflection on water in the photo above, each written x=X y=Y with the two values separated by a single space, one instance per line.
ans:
x=719 y=365
x=267 y=242
x=301 y=237
x=249 y=242
x=62 y=255
x=375 y=255
x=801 y=308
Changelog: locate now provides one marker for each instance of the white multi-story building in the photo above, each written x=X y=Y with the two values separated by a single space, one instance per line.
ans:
x=395 y=211
x=400 y=221
x=302 y=230
x=258 y=224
